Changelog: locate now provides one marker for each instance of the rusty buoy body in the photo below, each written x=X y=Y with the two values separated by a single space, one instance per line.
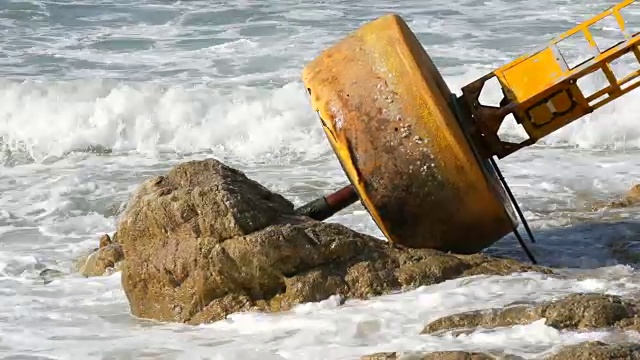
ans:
x=388 y=116
x=421 y=160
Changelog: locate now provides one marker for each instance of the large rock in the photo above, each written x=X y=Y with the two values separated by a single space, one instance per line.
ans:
x=575 y=312
x=205 y=241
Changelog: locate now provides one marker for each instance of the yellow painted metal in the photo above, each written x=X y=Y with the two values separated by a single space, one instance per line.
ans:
x=387 y=113
x=542 y=92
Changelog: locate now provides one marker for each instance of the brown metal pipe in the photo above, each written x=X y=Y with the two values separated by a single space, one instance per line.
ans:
x=326 y=206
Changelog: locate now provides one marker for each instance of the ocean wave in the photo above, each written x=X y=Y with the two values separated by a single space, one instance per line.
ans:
x=44 y=119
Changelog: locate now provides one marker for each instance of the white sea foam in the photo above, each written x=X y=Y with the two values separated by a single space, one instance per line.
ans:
x=52 y=119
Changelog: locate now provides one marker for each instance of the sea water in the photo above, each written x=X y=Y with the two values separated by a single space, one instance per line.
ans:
x=98 y=95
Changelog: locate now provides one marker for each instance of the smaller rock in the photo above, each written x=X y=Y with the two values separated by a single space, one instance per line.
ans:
x=48 y=275
x=439 y=355
x=577 y=311
x=105 y=260
x=511 y=316
x=380 y=356
x=587 y=311
x=596 y=350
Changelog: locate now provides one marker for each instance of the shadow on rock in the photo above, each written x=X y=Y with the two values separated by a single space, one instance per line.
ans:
x=585 y=245
x=588 y=242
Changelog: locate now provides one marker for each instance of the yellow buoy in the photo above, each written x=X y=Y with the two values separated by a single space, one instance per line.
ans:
x=419 y=158
x=385 y=110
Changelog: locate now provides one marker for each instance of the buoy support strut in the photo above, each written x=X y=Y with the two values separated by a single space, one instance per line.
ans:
x=326 y=206
x=541 y=90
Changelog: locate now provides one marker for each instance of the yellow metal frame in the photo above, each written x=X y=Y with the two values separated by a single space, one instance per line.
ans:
x=541 y=90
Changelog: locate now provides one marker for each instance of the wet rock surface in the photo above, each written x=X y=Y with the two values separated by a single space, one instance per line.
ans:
x=205 y=241
x=575 y=312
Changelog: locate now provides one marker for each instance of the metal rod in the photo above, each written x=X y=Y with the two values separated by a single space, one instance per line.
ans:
x=522 y=218
x=325 y=207
x=524 y=246
x=457 y=109
x=514 y=201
